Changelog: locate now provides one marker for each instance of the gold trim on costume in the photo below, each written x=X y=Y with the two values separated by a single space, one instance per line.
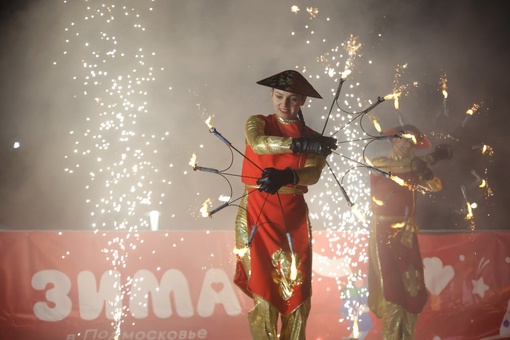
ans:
x=282 y=261
x=412 y=281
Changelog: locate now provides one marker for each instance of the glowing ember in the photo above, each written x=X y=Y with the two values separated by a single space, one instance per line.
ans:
x=398 y=180
x=313 y=11
x=377 y=126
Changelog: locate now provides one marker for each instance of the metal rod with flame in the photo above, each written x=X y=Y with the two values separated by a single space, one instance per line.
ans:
x=444 y=88
x=293 y=266
x=395 y=96
x=480 y=182
x=469 y=113
x=213 y=130
x=469 y=214
x=337 y=94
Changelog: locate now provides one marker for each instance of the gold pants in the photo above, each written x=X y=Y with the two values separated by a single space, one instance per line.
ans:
x=397 y=323
x=263 y=320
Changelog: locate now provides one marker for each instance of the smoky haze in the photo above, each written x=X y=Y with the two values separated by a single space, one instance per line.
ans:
x=208 y=56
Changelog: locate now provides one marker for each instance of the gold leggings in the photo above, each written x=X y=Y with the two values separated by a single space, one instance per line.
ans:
x=397 y=323
x=263 y=319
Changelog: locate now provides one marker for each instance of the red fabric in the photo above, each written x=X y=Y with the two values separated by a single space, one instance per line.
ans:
x=396 y=258
x=273 y=128
x=275 y=216
x=396 y=198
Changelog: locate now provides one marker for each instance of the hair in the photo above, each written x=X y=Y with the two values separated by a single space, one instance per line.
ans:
x=304 y=132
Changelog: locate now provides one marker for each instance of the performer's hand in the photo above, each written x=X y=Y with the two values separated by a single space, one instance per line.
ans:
x=441 y=152
x=420 y=167
x=321 y=145
x=273 y=179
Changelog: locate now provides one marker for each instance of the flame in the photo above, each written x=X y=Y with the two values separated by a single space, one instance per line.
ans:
x=487 y=150
x=469 y=211
x=204 y=211
x=377 y=201
x=395 y=96
x=398 y=225
x=293 y=268
x=410 y=136
x=444 y=86
x=345 y=74
x=377 y=125
x=473 y=109
x=483 y=184
x=193 y=161
x=294 y=9
x=398 y=180
x=208 y=122
x=358 y=213
x=355 y=327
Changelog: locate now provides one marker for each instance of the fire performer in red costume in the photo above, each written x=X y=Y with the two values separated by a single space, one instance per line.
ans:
x=397 y=292
x=273 y=233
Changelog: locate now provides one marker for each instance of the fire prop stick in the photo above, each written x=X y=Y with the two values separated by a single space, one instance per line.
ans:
x=224 y=140
x=335 y=100
x=293 y=266
x=395 y=97
x=480 y=182
x=469 y=114
x=469 y=214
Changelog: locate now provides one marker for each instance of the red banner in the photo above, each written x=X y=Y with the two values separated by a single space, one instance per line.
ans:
x=178 y=285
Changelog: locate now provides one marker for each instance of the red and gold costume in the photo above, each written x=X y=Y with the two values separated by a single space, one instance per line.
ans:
x=263 y=271
x=397 y=290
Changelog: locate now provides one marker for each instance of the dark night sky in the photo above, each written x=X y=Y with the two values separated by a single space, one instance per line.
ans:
x=466 y=39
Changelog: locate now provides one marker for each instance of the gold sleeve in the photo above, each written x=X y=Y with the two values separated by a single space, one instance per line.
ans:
x=395 y=166
x=434 y=185
x=263 y=144
x=398 y=166
x=311 y=172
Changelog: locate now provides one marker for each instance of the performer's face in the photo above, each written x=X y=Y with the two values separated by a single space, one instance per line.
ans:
x=287 y=104
x=402 y=147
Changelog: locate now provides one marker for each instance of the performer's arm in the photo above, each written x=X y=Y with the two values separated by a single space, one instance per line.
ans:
x=263 y=144
x=399 y=166
x=311 y=172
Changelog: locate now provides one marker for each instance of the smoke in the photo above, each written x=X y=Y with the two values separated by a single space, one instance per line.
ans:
x=208 y=56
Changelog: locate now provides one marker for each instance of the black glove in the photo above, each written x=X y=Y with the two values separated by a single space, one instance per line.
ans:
x=314 y=144
x=273 y=179
x=420 y=167
x=441 y=152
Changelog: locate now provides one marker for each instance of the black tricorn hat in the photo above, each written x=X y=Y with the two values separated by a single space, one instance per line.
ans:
x=290 y=81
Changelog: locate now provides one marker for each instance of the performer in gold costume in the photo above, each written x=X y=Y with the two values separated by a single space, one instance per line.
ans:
x=397 y=292
x=272 y=229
